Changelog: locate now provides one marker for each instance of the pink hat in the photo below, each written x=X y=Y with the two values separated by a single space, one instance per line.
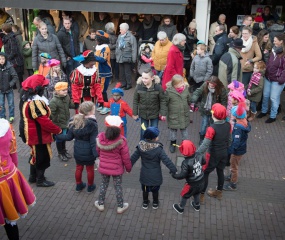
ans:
x=235 y=94
x=53 y=62
x=236 y=85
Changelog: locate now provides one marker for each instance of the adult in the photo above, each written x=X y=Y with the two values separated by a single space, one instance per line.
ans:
x=266 y=15
x=12 y=51
x=68 y=15
x=18 y=34
x=168 y=27
x=221 y=47
x=221 y=21
x=275 y=28
x=5 y=18
x=126 y=55
x=160 y=52
x=100 y=20
x=135 y=26
x=247 y=21
x=50 y=27
x=70 y=44
x=175 y=62
x=46 y=42
x=83 y=26
x=264 y=44
x=274 y=79
x=233 y=34
x=250 y=54
x=150 y=26
x=229 y=64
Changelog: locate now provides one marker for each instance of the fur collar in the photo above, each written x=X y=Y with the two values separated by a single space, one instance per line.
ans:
x=147 y=146
x=156 y=80
x=102 y=144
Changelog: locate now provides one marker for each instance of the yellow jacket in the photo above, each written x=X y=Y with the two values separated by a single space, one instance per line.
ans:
x=159 y=54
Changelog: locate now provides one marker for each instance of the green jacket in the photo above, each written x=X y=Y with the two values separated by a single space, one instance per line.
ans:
x=178 y=114
x=59 y=107
x=222 y=98
x=27 y=53
x=256 y=91
x=148 y=103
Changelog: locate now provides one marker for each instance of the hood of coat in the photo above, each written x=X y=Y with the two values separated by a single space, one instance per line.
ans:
x=24 y=43
x=172 y=89
x=106 y=144
x=276 y=28
x=156 y=80
x=90 y=126
x=146 y=146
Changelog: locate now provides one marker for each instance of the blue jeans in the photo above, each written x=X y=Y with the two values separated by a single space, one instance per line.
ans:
x=253 y=106
x=10 y=99
x=206 y=121
x=272 y=91
x=148 y=123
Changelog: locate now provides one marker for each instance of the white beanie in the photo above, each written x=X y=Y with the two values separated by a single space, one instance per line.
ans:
x=112 y=120
x=4 y=127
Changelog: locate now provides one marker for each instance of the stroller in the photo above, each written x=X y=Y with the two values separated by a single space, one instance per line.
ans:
x=144 y=56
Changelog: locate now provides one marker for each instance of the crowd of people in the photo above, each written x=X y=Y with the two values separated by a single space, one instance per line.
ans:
x=227 y=80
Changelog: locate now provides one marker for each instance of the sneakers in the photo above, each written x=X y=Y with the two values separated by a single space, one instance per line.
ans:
x=155 y=205
x=178 y=209
x=122 y=209
x=105 y=111
x=80 y=187
x=91 y=188
x=99 y=109
x=196 y=207
x=145 y=204
x=62 y=157
x=99 y=207
x=11 y=119
x=230 y=187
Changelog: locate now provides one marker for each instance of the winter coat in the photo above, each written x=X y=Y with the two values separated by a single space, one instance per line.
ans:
x=149 y=30
x=148 y=103
x=27 y=53
x=174 y=65
x=239 y=139
x=222 y=98
x=178 y=114
x=191 y=169
x=54 y=80
x=112 y=44
x=50 y=27
x=59 y=107
x=230 y=67
x=135 y=28
x=221 y=47
x=191 y=41
x=274 y=30
x=85 y=151
x=151 y=154
x=159 y=54
x=275 y=68
x=129 y=53
x=89 y=44
x=19 y=38
x=201 y=68
x=64 y=39
x=256 y=91
x=103 y=61
x=265 y=53
x=169 y=29
x=212 y=33
x=254 y=54
x=114 y=155
x=8 y=77
x=51 y=45
x=74 y=26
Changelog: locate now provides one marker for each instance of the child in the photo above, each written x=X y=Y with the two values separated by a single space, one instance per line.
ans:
x=16 y=194
x=177 y=102
x=236 y=97
x=54 y=76
x=211 y=92
x=217 y=141
x=90 y=41
x=238 y=146
x=59 y=106
x=119 y=107
x=84 y=129
x=44 y=67
x=255 y=88
x=8 y=77
x=149 y=100
x=201 y=67
x=27 y=53
x=233 y=86
x=152 y=154
x=114 y=157
x=147 y=59
x=191 y=170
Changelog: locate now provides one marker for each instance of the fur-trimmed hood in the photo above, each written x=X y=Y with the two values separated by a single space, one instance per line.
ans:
x=156 y=80
x=145 y=146
x=168 y=85
x=108 y=145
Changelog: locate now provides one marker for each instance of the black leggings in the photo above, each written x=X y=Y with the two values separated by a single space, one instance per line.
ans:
x=12 y=231
x=220 y=174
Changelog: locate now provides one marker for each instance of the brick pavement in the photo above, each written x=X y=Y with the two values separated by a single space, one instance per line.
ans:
x=255 y=211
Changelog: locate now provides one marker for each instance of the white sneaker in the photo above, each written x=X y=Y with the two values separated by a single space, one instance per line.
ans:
x=99 y=109
x=105 y=111
x=123 y=209
x=99 y=207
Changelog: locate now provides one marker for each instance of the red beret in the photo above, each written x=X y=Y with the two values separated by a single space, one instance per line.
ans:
x=187 y=148
x=219 y=111
x=34 y=81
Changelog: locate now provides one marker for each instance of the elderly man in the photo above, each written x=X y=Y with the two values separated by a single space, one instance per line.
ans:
x=212 y=32
x=126 y=55
x=247 y=21
x=38 y=20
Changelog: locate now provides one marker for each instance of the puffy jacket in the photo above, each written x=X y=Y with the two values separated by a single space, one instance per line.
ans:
x=151 y=154
x=201 y=68
x=191 y=40
x=129 y=53
x=220 y=48
x=114 y=155
x=159 y=54
x=27 y=53
x=50 y=45
x=64 y=39
x=169 y=29
x=239 y=139
x=8 y=77
x=275 y=68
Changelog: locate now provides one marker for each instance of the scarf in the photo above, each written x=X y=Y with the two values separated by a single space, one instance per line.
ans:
x=180 y=89
x=278 y=50
x=255 y=78
x=181 y=48
x=247 y=44
x=122 y=43
x=209 y=100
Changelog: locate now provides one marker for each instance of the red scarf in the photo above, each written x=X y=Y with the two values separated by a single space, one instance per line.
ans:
x=255 y=78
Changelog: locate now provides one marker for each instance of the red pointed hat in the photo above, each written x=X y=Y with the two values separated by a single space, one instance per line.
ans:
x=219 y=111
x=187 y=148
x=34 y=81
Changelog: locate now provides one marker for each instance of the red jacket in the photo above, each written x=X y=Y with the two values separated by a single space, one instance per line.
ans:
x=39 y=129
x=124 y=107
x=114 y=155
x=174 y=65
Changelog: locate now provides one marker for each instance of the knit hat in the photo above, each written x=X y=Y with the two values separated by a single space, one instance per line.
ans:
x=239 y=111
x=45 y=55
x=193 y=24
x=5 y=126
x=61 y=86
x=200 y=42
x=101 y=33
x=151 y=133
x=34 y=81
x=219 y=111
x=187 y=148
x=112 y=120
x=3 y=54
x=237 y=95
x=117 y=89
x=88 y=56
x=236 y=85
x=53 y=62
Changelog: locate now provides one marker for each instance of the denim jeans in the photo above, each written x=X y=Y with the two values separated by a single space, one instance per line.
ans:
x=272 y=91
x=10 y=99
x=253 y=106
x=206 y=120
x=148 y=123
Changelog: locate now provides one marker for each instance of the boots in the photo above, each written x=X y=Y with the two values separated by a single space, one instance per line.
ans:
x=41 y=180
x=202 y=198
x=60 y=151
x=145 y=200
x=201 y=138
x=33 y=174
x=215 y=193
x=172 y=147
x=66 y=154
x=251 y=117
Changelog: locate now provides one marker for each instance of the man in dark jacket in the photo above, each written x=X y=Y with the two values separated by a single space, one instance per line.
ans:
x=70 y=44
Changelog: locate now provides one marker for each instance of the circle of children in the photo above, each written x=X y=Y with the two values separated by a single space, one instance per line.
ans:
x=45 y=103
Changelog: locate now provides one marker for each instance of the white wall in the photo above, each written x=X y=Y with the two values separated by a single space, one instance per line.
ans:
x=203 y=9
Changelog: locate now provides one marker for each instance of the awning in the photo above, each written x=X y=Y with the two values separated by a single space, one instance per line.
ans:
x=171 y=7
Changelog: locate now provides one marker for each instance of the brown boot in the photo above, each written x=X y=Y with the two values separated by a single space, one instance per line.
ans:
x=248 y=114
x=202 y=198
x=215 y=193
x=252 y=116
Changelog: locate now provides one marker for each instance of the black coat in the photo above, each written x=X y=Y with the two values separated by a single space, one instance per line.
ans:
x=220 y=48
x=64 y=39
x=8 y=77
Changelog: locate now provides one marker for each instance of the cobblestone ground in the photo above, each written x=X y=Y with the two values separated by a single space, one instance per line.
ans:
x=255 y=211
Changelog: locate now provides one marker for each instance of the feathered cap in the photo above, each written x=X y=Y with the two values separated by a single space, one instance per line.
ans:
x=117 y=89
x=35 y=81
x=53 y=62
x=237 y=95
x=239 y=111
x=236 y=85
x=187 y=148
